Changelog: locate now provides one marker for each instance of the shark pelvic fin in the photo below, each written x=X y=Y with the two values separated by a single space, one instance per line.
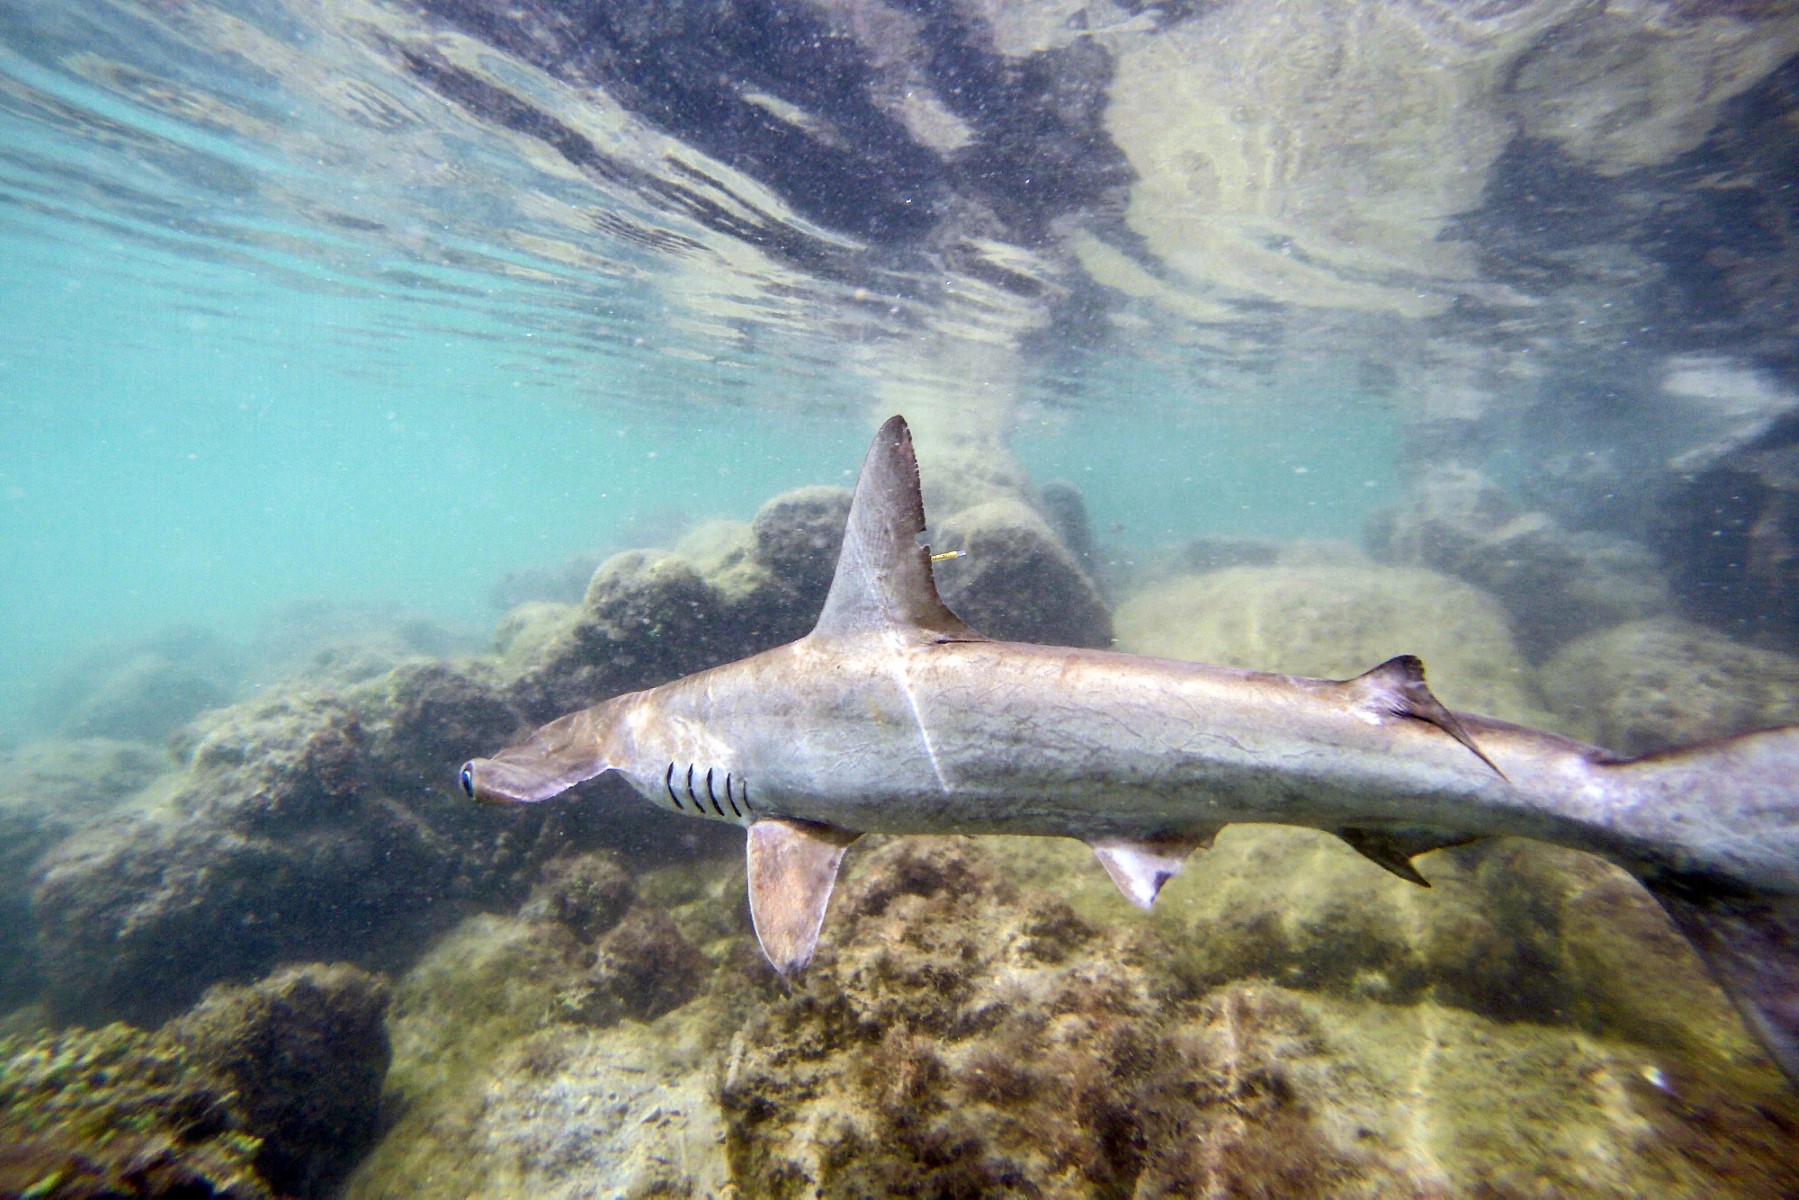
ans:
x=1394 y=849
x=552 y=760
x=1141 y=868
x=792 y=869
x=1396 y=688
x=883 y=575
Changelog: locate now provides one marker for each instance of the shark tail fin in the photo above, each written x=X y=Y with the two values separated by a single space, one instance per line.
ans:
x=549 y=762
x=1752 y=950
x=1729 y=812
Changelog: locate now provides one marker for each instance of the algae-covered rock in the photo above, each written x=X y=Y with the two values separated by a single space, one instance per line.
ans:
x=146 y=698
x=271 y=846
x=1336 y=621
x=1653 y=685
x=1016 y=580
x=50 y=790
x=140 y=690
x=304 y=1051
x=260 y=1091
x=589 y=893
x=421 y=719
x=118 y=1112
x=967 y=1030
x=1555 y=583
x=798 y=535
x=642 y=968
x=505 y=1084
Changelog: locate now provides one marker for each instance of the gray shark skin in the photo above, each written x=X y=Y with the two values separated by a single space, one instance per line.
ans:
x=893 y=716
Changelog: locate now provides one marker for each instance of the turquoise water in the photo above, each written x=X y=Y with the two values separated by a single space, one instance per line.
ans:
x=173 y=466
x=215 y=410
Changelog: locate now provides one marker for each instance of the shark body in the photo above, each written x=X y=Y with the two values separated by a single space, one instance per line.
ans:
x=893 y=716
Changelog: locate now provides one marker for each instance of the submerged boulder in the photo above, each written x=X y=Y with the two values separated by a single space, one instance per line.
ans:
x=302 y=826
x=1555 y=583
x=49 y=790
x=119 y=1112
x=261 y=1091
x=1656 y=685
x=973 y=1025
x=305 y=1052
x=1336 y=620
x=1015 y=579
x=570 y=1051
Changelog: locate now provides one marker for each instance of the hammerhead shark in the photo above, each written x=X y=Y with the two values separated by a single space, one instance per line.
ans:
x=893 y=716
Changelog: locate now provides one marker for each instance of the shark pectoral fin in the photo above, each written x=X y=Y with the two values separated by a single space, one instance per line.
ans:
x=1394 y=849
x=1141 y=868
x=1396 y=688
x=549 y=762
x=883 y=575
x=792 y=868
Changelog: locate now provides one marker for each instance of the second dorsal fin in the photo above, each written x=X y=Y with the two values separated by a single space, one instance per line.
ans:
x=883 y=574
x=1396 y=688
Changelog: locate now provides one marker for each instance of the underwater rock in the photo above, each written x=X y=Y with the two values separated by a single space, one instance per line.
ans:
x=561 y=583
x=1016 y=581
x=1065 y=509
x=48 y=791
x=589 y=893
x=1655 y=685
x=420 y=719
x=271 y=846
x=643 y=968
x=1556 y=583
x=1336 y=620
x=647 y=617
x=259 y=1091
x=304 y=1052
x=798 y=535
x=959 y=1036
x=971 y=1028
x=1729 y=519
x=118 y=1112
x=342 y=644
x=144 y=698
x=1216 y=553
x=729 y=590
x=502 y=1087
x=141 y=689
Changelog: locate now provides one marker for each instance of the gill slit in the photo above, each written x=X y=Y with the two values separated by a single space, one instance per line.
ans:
x=668 y=781
x=710 y=794
x=729 y=799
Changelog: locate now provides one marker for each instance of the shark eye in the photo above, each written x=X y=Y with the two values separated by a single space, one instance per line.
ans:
x=466 y=777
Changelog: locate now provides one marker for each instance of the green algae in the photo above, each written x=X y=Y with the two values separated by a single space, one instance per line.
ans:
x=119 y=1112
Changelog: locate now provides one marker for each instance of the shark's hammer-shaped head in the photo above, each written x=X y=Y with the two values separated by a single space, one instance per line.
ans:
x=554 y=758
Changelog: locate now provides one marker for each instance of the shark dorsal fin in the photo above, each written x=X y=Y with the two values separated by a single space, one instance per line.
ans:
x=883 y=575
x=792 y=869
